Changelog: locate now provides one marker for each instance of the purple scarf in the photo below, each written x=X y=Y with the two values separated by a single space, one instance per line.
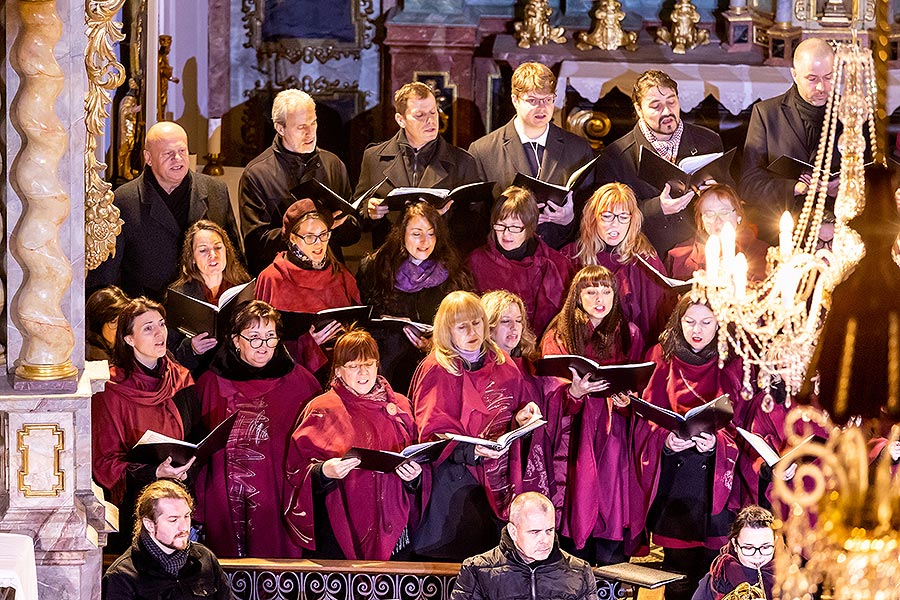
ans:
x=412 y=278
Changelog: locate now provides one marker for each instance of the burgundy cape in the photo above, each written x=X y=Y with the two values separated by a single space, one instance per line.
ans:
x=645 y=300
x=690 y=256
x=127 y=408
x=675 y=385
x=240 y=491
x=368 y=511
x=478 y=403
x=598 y=459
x=539 y=280
x=290 y=288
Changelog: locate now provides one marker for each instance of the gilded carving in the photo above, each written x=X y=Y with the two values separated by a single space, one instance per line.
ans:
x=23 y=446
x=801 y=10
x=101 y=218
x=607 y=32
x=535 y=29
x=48 y=339
x=684 y=35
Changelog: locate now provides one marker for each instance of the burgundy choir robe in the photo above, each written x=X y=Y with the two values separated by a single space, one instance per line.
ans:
x=645 y=300
x=125 y=409
x=240 y=491
x=290 y=288
x=690 y=256
x=675 y=385
x=597 y=457
x=478 y=403
x=539 y=280
x=368 y=511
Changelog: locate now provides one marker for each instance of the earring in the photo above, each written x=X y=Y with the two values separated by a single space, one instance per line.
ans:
x=740 y=219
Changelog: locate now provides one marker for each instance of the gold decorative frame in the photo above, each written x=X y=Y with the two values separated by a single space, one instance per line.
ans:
x=22 y=447
x=305 y=49
x=101 y=217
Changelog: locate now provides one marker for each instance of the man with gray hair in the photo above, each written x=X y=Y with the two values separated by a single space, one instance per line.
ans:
x=267 y=181
x=528 y=562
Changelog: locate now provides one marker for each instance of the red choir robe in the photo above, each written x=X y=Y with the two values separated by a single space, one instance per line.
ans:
x=240 y=491
x=598 y=458
x=368 y=511
x=539 y=280
x=288 y=287
x=645 y=300
x=128 y=407
x=690 y=256
x=675 y=385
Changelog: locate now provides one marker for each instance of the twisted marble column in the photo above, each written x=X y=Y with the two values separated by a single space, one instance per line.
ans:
x=48 y=340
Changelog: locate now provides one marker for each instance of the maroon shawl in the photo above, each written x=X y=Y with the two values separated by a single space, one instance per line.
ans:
x=239 y=492
x=478 y=403
x=127 y=408
x=288 y=287
x=690 y=256
x=368 y=511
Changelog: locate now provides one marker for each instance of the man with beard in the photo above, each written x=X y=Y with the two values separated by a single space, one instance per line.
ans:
x=162 y=562
x=528 y=562
x=659 y=129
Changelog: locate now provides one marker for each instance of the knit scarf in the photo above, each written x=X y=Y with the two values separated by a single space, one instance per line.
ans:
x=685 y=352
x=412 y=278
x=171 y=563
x=668 y=149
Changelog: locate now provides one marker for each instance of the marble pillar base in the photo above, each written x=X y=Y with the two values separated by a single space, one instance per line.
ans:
x=62 y=386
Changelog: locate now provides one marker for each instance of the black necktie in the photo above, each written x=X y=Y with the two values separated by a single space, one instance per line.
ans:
x=534 y=152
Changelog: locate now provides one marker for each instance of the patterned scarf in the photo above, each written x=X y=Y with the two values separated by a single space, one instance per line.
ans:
x=668 y=149
x=412 y=278
x=171 y=563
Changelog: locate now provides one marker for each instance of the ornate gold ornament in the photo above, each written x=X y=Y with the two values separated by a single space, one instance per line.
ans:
x=22 y=445
x=101 y=218
x=534 y=29
x=607 y=32
x=684 y=35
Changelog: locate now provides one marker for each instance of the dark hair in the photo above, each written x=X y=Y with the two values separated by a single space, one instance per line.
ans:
x=517 y=202
x=147 y=503
x=385 y=262
x=104 y=306
x=252 y=313
x=651 y=79
x=673 y=335
x=355 y=344
x=572 y=321
x=754 y=517
x=123 y=353
x=234 y=271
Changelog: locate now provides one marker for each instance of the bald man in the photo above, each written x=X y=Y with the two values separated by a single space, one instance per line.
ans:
x=788 y=125
x=157 y=207
x=528 y=562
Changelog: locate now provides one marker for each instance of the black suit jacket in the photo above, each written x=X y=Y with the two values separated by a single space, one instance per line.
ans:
x=450 y=167
x=620 y=164
x=500 y=157
x=148 y=249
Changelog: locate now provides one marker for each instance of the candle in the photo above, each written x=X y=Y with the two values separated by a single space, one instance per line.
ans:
x=815 y=306
x=214 y=136
x=728 y=243
x=786 y=283
x=786 y=229
x=712 y=258
x=740 y=276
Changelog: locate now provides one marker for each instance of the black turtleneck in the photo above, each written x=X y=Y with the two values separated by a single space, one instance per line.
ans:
x=522 y=252
x=178 y=201
x=813 y=118
x=298 y=162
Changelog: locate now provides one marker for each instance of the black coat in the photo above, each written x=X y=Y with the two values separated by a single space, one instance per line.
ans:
x=149 y=247
x=502 y=574
x=136 y=575
x=450 y=167
x=620 y=163
x=265 y=195
x=501 y=156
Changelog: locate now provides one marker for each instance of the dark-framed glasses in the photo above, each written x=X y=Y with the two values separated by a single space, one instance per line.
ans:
x=501 y=228
x=608 y=217
x=311 y=238
x=764 y=550
x=257 y=342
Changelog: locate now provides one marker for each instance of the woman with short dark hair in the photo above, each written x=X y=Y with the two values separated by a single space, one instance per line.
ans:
x=101 y=312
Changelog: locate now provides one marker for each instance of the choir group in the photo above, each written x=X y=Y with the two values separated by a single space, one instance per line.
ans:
x=482 y=292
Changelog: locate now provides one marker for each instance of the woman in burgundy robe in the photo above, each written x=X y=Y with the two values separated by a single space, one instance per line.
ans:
x=467 y=385
x=408 y=277
x=240 y=491
x=334 y=509
x=307 y=278
x=591 y=324
x=685 y=488
x=147 y=389
x=515 y=259
x=611 y=237
x=717 y=205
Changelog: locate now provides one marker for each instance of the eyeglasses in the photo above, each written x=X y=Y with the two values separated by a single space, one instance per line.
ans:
x=608 y=217
x=763 y=550
x=709 y=215
x=359 y=366
x=311 y=238
x=535 y=102
x=501 y=228
x=257 y=342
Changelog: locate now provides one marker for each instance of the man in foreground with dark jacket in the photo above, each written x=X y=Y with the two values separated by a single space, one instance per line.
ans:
x=162 y=561
x=528 y=562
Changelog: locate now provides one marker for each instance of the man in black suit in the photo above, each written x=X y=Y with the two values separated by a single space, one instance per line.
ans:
x=157 y=208
x=659 y=129
x=788 y=125
x=531 y=144
x=418 y=157
x=267 y=181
